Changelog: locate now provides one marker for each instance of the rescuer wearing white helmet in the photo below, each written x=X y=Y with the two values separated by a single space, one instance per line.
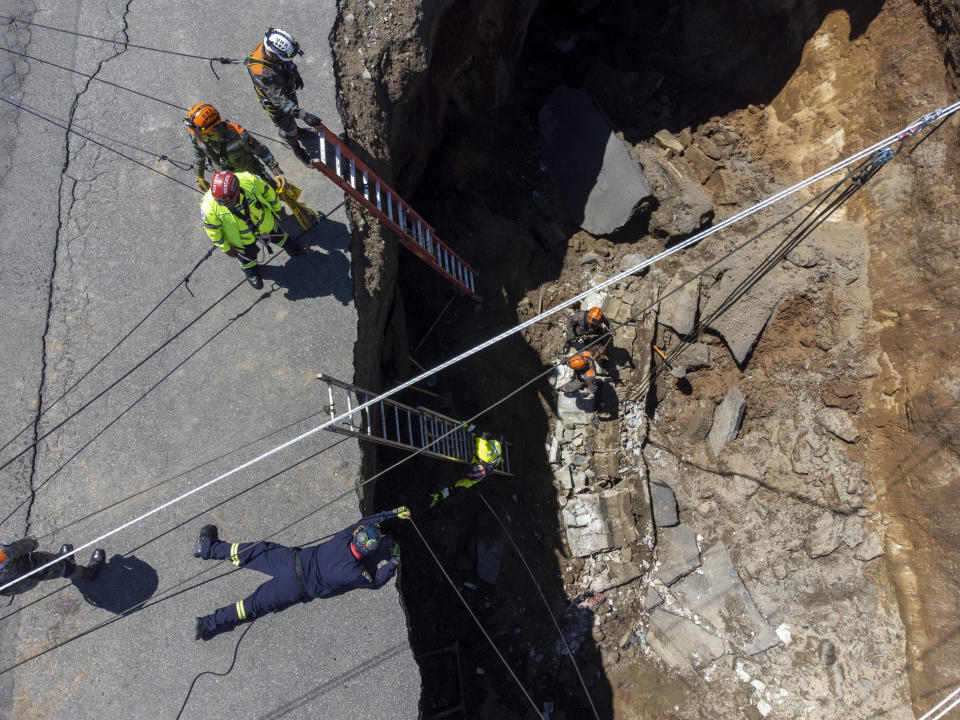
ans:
x=276 y=80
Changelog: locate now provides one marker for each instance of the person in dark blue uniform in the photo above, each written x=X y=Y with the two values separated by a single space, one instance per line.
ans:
x=346 y=561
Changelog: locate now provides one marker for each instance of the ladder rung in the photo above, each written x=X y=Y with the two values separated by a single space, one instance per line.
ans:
x=353 y=174
x=366 y=185
x=323 y=146
x=338 y=160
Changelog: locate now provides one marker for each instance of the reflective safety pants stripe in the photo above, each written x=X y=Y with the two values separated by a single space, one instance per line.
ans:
x=247 y=256
x=272 y=596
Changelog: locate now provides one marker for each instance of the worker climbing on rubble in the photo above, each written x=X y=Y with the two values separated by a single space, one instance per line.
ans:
x=277 y=80
x=487 y=455
x=22 y=556
x=584 y=367
x=584 y=326
x=227 y=146
x=238 y=210
x=346 y=561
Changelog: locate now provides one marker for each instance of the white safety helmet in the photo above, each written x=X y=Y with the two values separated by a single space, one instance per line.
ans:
x=282 y=44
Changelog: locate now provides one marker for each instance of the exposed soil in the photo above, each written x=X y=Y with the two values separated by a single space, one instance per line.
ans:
x=867 y=325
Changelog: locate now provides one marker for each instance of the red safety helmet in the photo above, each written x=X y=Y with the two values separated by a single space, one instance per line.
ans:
x=225 y=187
x=578 y=361
x=594 y=316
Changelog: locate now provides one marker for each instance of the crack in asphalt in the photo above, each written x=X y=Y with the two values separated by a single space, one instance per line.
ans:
x=64 y=209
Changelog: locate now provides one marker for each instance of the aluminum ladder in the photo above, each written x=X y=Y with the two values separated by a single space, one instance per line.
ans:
x=343 y=167
x=392 y=423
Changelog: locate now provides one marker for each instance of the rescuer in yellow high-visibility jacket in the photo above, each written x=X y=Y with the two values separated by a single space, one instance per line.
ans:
x=486 y=457
x=239 y=209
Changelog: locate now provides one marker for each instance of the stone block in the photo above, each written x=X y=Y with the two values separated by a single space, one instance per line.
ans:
x=681 y=643
x=676 y=553
x=664 y=504
x=679 y=310
x=601 y=185
x=668 y=141
x=599 y=521
x=574 y=409
x=615 y=575
x=726 y=420
x=718 y=595
x=839 y=423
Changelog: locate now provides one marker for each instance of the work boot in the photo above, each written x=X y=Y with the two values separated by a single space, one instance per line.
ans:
x=207 y=532
x=68 y=563
x=253 y=277
x=90 y=572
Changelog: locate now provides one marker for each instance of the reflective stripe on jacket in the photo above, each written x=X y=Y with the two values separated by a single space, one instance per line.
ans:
x=227 y=227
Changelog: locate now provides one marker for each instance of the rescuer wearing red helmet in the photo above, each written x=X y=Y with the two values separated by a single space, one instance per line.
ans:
x=345 y=562
x=227 y=146
x=239 y=209
x=276 y=79
x=583 y=326
x=22 y=556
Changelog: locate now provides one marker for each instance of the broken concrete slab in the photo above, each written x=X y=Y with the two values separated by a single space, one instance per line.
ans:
x=676 y=553
x=489 y=556
x=726 y=420
x=652 y=599
x=664 y=504
x=870 y=548
x=718 y=595
x=679 y=310
x=599 y=521
x=601 y=185
x=740 y=330
x=615 y=575
x=826 y=536
x=680 y=642
x=840 y=423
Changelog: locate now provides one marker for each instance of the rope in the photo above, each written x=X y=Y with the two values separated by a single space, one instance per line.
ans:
x=909 y=131
x=97 y=142
x=939 y=708
x=543 y=597
x=124 y=43
x=456 y=590
x=236 y=651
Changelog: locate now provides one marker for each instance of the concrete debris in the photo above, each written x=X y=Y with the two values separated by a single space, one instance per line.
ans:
x=664 y=504
x=679 y=310
x=676 y=554
x=839 y=423
x=575 y=409
x=719 y=596
x=826 y=536
x=680 y=642
x=652 y=598
x=726 y=420
x=600 y=183
x=632 y=260
x=668 y=141
x=599 y=521
x=870 y=548
x=615 y=575
x=684 y=206
x=489 y=556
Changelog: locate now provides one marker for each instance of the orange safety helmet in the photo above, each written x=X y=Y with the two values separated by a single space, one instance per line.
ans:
x=3 y=557
x=595 y=316
x=578 y=361
x=202 y=118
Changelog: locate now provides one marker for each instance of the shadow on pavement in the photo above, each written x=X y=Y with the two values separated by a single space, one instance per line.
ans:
x=124 y=582
x=322 y=269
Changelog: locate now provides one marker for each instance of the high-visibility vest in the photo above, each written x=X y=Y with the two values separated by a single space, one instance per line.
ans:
x=227 y=227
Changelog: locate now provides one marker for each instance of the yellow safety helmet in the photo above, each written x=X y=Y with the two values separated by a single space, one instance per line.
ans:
x=488 y=452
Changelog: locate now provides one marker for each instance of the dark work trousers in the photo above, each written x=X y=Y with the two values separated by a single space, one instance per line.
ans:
x=36 y=559
x=274 y=595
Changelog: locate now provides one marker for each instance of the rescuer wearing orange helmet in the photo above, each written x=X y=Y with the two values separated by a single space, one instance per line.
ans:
x=584 y=368
x=584 y=326
x=227 y=146
x=276 y=79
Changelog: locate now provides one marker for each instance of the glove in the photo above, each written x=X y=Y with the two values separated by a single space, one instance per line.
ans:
x=202 y=183
x=281 y=182
x=402 y=512
x=469 y=427
x=395 y=551
x=297 y=80
x=436 y=497
x=232 y=252
x=309 y=118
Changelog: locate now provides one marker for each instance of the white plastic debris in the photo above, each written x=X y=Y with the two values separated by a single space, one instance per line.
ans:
x=783 y=632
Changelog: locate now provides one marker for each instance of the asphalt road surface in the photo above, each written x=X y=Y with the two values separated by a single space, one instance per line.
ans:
x=137 y=365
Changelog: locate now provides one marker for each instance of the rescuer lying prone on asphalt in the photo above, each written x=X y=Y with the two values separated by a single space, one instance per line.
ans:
x=344 y=562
